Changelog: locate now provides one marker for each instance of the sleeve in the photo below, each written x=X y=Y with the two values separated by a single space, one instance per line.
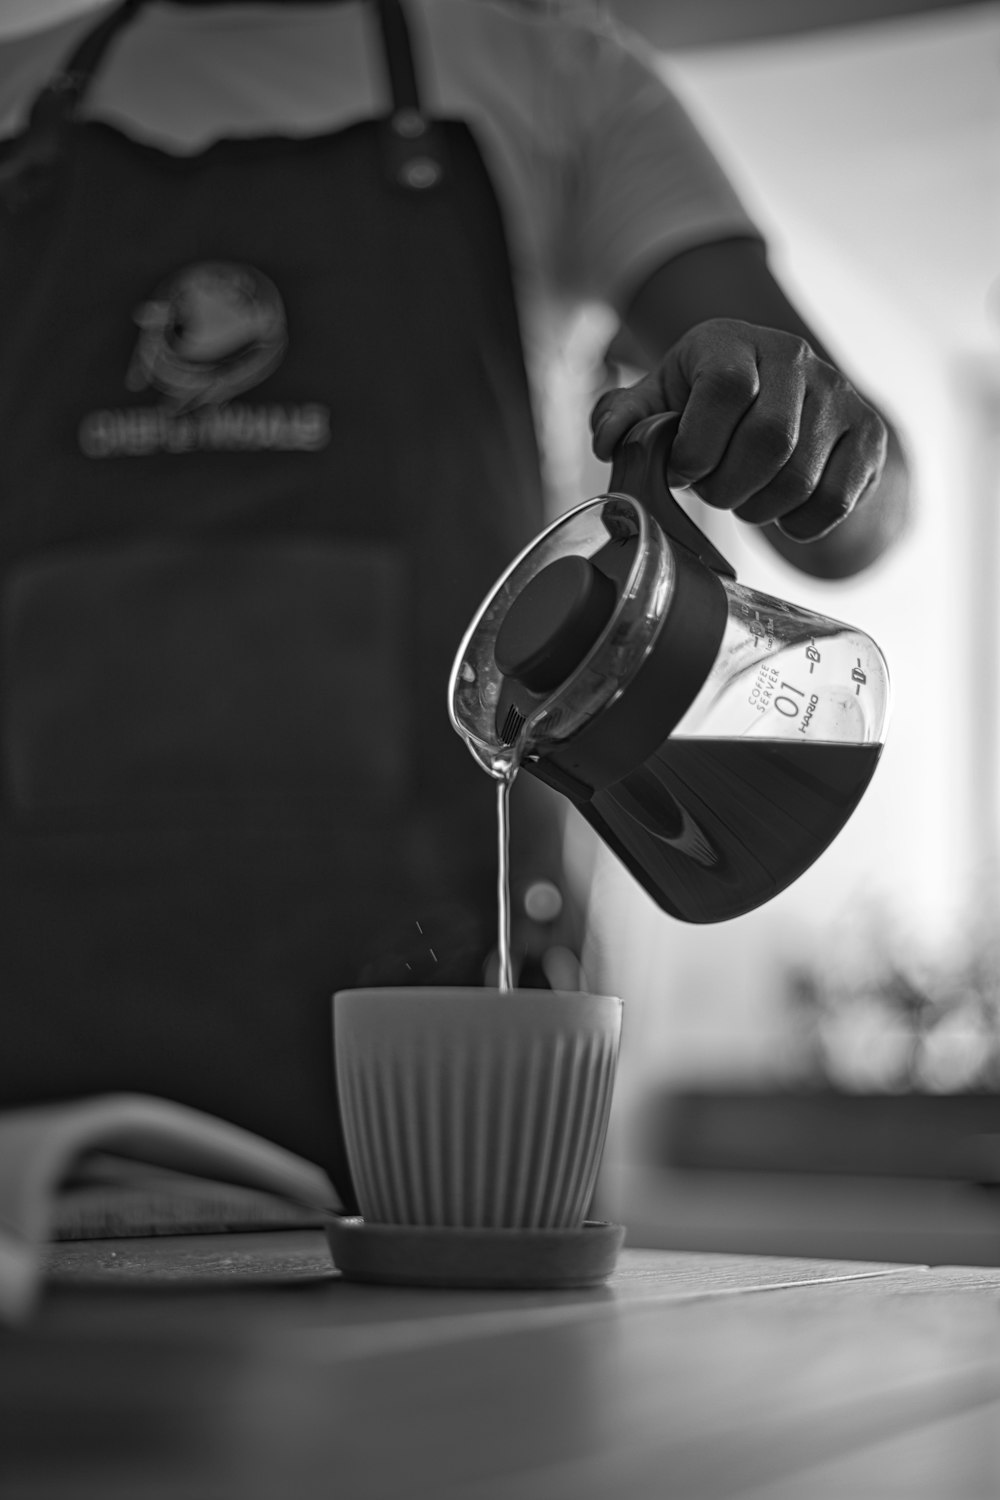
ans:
x=646 y=184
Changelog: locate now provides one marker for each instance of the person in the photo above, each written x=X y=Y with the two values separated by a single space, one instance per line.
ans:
x=278 y=285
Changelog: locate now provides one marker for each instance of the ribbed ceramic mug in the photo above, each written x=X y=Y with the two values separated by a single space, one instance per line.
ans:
x=475 y=1108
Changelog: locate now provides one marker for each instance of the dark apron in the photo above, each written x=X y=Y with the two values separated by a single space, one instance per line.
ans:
x=267 y=440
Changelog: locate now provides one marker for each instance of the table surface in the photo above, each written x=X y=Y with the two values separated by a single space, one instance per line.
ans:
x=244 y=1365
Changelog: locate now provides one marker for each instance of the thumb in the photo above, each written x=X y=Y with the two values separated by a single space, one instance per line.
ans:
x=619 y=410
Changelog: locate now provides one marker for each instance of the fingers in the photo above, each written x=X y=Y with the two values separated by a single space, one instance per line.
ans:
x=838 y=454
x=618 y=411
x=848 y=475
x=721 y=398
x=768 y=429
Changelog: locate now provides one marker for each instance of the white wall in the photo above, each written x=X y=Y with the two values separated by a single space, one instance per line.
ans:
x=866 y=156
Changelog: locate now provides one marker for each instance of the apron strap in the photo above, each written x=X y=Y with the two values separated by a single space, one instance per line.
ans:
x=64 y=92
x=413 y=153
x=26 y=171
x=412 y=148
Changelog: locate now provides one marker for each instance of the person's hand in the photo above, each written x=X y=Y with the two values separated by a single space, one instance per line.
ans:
x=768 y=429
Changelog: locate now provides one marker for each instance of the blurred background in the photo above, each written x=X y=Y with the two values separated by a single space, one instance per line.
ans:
x=865 y=138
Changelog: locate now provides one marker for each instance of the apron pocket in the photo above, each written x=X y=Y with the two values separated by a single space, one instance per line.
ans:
x=201 y=685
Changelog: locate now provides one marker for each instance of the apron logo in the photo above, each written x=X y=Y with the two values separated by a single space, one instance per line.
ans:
x=207 y=334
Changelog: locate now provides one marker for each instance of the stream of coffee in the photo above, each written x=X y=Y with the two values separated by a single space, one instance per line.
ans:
x=505 y=980
x=504 y=769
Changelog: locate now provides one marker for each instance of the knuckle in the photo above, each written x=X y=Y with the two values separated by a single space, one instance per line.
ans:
x=839 y=505
x=835 y=381
x=715 y=334
x=602 y=408
x=800 y=353
x=876 y=435
x=640 y=393
x=826 y=512
x=631 y=405
x=866 y=444
x=773 y=438
x=837 y=403
x=730 y=383
x=794 y=485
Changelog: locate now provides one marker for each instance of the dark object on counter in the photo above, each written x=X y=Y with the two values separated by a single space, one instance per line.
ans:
x=827 y=1130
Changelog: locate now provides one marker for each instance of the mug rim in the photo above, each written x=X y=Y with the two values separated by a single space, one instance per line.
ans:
x=469 y=996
